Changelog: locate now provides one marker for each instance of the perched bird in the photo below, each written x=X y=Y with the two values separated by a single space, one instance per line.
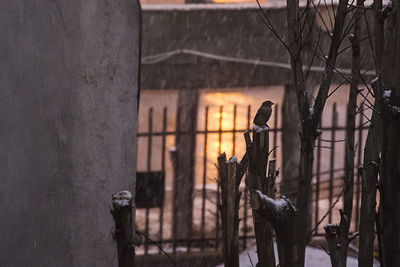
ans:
x=263 y=114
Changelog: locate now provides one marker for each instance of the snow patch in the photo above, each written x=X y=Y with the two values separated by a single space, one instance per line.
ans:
x=122 y=198
x=233 y=159
x=311 y=113
x=259 y=129
x=314 y=258
x=386 y=95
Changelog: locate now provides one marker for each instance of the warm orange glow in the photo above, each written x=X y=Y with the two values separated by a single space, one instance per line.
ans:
x=233 y=1
x=218 y=115
x=226 y=99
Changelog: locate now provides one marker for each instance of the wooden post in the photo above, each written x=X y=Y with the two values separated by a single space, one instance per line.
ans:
x=230 y=174
x=122 y=214
x=257 y=154
x=337 y=237
x=281 y=215
x=185 y=143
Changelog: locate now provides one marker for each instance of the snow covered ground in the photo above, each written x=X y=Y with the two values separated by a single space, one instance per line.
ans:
x=314 y=258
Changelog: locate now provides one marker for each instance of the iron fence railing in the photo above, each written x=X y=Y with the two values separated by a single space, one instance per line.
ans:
x=206 y=235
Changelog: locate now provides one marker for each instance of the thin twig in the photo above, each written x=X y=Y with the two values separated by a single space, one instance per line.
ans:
x=337 y=87
x=268 y=23
x=324 y=249
x=313 y=56
x=154 y=243
x=332 y=141
x=329 y=14
x=251 y=262
x=327 y=147
x=269 y=153
x=327 y=213
x=320 y=16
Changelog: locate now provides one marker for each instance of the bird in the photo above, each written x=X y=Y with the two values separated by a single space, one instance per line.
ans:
x=263 y=114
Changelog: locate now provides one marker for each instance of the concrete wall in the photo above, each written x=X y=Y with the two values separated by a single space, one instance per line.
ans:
x=228 y=30
x=68 y=112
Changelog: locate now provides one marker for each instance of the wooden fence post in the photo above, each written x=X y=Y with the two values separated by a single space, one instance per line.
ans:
x=230 y=174
x=281 y=214
x=257 y=154
x=122 y=214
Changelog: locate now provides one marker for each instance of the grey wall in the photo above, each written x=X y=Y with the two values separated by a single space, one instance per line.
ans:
x=227 y=30
x=68 y=113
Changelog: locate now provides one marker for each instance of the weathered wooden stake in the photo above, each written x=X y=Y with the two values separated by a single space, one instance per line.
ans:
x=281 y=215
x=122 y=214
x=257 y=154
x=337 y=237
x=230 y=174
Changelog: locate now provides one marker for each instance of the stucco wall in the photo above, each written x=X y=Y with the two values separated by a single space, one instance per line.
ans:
x=68 y=112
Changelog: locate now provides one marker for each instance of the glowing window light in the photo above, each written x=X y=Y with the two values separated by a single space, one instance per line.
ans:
x=234 y=1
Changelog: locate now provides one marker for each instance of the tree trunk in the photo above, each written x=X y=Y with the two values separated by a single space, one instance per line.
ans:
x=389 y=208
x=371 y=161
x=304 y=191
x=122 y=214
x=369 y=186
x=185 y=160
x=337 y=235
x=290 y=143
x=257 y=154
x=310 y=117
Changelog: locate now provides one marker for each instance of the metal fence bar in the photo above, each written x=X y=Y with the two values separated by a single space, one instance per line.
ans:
x=203 y=201
x=197 y=240
x=317 y=182
x=360 y=137
x=332 y=158
x=141 y=134
x=175 y=189
x=234 y=130
x=275 y=129
x=149 y=147
x=221 y=108
x=246 y=191
x=218 y=192
x=163 y=147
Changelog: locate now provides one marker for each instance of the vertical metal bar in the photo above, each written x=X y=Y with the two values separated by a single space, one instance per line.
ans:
x=149 y=146
x=332 y=158
x=203 y=204
x=174 y=223
x=317 y=184
x=218 y=192
x=275 y=128
x=245 y=192
x=220 y=130
x=163 y=146
x=234 y=130
x=359 y=152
